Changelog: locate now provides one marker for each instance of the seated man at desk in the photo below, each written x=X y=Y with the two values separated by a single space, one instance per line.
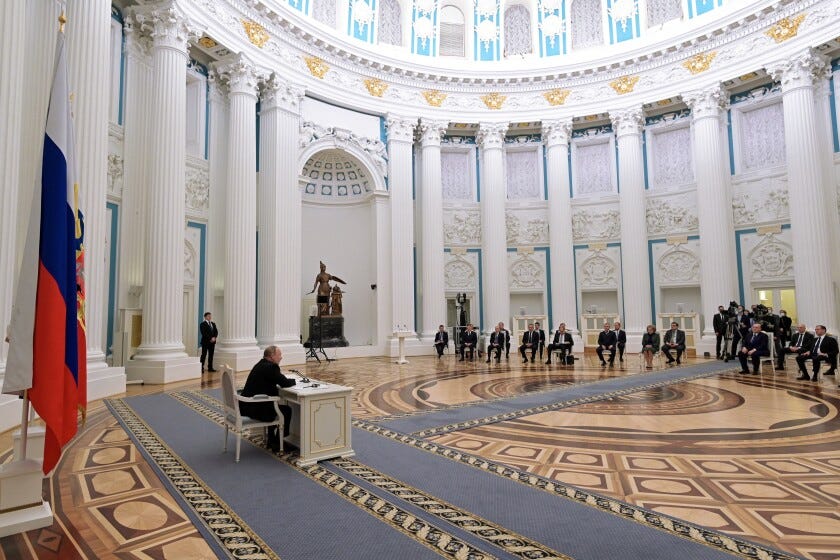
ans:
x=263 y=380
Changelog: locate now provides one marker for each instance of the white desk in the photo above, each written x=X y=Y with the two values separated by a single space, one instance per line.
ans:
x=320 y=420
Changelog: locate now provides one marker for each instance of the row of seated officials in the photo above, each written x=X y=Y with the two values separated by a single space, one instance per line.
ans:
x=817 y=348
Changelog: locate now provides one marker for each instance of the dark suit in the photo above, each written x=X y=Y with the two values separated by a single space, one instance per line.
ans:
x=719 y=324
x=740 y=330
x=620 y=343
x=563 y=343
x=825 y=345
x=674 y=337
x=758 y=342
x=469 y=340
x=263 y=380
x=507 y=342
x=530 y=341
x=497 y=343
x=650 y=342
x=802 y=345
x=606 y=341
x=541 y=334
x=441 y=341
x=208 y=345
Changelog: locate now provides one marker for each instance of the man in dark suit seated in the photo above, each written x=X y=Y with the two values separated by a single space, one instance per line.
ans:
x=541 y=333
x=800 y=341
x=755 y=347
x=263 y=380
x=441 y=340
x=674 y=340
x=824 y=350
x=469 y=340
x=530 y=341
x=606 y=341
x=497 y=343
x=620 y=340
x=562 y=342
x=507 y=339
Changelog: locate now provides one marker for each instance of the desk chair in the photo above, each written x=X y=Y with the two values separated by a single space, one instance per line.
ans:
x=234 y=421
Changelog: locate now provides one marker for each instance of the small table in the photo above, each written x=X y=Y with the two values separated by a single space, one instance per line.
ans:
x=401 y=338
x=320 y=420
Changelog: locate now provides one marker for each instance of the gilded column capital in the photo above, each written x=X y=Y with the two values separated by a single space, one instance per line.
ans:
x=239 y=73
x=400 y=129
x=491 y=135
x=627 y=121
x=803 y=69
x=556 y=132
x=708 y=102
x=167 y=25
x=431 y=131
x=276 y=93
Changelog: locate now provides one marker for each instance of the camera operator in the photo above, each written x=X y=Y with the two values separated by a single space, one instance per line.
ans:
x=740 y=322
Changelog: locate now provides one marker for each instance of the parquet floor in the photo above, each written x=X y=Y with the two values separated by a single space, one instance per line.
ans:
x=757 y=457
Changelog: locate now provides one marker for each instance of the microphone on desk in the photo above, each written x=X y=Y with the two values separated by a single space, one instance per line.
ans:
x=303 y=378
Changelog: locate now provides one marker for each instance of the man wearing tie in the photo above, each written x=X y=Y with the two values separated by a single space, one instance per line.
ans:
x=209 y=333
x=824 y=350
x=563 y=342
x=469 y=340
x=719 y=324
x=530 y=341
x=755 y=346
x=497 y=342
x=606 y=341
x=441 y=340
x=674 y=340
x=800 y=341
x=620 y=340
x=507 y=339
x=541 y=335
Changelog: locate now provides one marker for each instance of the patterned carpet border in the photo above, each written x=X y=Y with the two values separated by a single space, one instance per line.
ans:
x=443 y=543
x=233 y=534
x=648 y=518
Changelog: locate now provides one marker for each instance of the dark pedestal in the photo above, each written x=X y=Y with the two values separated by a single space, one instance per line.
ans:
x=332 y=332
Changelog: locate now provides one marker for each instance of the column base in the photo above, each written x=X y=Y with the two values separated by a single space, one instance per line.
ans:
x=414 y=346
x=239 y=358
x=21 y=505
x=707 y=343
x=105 y=382
x=163 y=371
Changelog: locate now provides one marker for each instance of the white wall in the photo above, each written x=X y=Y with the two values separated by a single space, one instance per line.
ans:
x=328 y=115
x=340 y=235
x=533 y=304
x=606 y=301
x=689 y=297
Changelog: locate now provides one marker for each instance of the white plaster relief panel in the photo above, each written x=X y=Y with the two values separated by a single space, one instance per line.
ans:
x=594 y=167
x=760 y=133
x=767 y=258
x=197 y=191
x=524 y=174
x=460 y=272
x=667 y=215
x=526 y=271
x=462 y=227
x=526 y=226
x=115 y=161
x=192 y=241
x=670 y=156
x=676 y=265
x=837 y=181
x=760 y=199
x=598 y=269
x=596 y=223
x=457 y=174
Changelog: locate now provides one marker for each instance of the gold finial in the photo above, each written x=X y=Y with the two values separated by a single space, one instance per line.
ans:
x=61 y=21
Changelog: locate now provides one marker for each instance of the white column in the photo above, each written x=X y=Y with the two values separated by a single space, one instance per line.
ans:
x=217 y=159
x=88 y=53
x=161 y=357
x=556 y=134
x=431 y=213
x=496 y=297
x=719 y=266
x=279 y=220
x=400 y=183
x=237 y=341
x=380 y=296
x=635 y=277
x=811 y=230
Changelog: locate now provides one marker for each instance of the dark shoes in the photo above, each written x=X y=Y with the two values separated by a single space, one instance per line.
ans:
x=803 y=377
x=548 y=362
x=213 y=370
x=829 y=372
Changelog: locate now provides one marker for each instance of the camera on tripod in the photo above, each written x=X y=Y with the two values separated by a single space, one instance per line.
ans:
x=732 y=312
x=763 y=315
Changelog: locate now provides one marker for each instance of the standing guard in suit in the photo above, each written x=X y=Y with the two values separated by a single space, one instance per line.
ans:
x=674 y=340
x=563 y=342
x=755 y=346
x=441 y=340
x=497 y=343
x=209 y=333
x=801 y=341
x=507 y=339
x=784 y=327
x=606 y=341
x=620 y=340
x=824 y=350
x=541 y=334
x=719 y=324
x=530 y=341
x=469 y=340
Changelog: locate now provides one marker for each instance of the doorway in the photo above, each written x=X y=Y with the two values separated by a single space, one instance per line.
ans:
x=778 y=298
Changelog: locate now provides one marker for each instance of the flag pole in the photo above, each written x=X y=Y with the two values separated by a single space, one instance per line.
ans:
x=24 y=425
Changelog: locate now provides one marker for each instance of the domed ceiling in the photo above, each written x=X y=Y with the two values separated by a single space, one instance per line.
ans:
x=335 y=175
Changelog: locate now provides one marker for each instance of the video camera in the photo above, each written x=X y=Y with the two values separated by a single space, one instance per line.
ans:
x=732 y=312
x=769 y=321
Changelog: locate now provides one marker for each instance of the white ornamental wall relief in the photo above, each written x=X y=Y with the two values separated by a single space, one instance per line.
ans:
x=665 y=217
x=463 y=229
x=197 y=191
x=591 y=224
x=771 y=259
x=598 y=272
x=527 y=273
x=115 y=174
x=679 y=266
x=459 y=275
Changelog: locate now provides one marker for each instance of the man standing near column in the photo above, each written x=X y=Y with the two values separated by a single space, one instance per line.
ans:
x=719 y=322
x=209 y=333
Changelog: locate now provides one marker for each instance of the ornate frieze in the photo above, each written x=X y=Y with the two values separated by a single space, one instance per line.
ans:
x=166 y=24
x=197 y=191
x=762 y=199
x=462 y=227
x=317 y=67
x=494 y=100
x=556 y=132
x=400 y=129
x=275 y=92
x=434 y=97
x=460 y=272
x=785 y=28
x=771 y=259
x=700 y=63
x=599 y=271
x=255 y=32
x=666 y=216
x=624 y=84
x=526 y=272
x=679 y=266
x=491 y=135
x=595 y=224
x=239 y=73
x=373 y=147
x=115 y=174
x=431 y=131
x=801 y=70
x=527 y=226
x=556 y=96
x=627 y=121
x=375 y=87
x=708 y=102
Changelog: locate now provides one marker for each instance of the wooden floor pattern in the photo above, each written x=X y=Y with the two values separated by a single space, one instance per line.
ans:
x=757 y=457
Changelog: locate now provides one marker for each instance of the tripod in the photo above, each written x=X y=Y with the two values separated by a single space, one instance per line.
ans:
x=728 y=336
x=313 y=351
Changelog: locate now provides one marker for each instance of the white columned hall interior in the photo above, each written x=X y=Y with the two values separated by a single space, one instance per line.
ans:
x=161 y=357
x=809 y=205
x=714 y=202
x=635 y=268
x=555 y=136
x=433 y=292
x=88 y=32
x=491 y=140
x=237 y=341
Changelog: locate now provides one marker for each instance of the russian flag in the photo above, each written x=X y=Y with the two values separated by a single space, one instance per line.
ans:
x=47 y=353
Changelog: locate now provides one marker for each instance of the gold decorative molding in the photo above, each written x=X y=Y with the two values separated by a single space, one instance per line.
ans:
x=207 y=42
x=590 y=118
x=664 y=102
x=600 y=246
x=376 y=87
x=256 y=33
x=317 y=67
x=785 y=28
x=769 y=230
x=494 y=101
x=556 y=96
x=748 y=77
x=624 y=84
x=700 y=63
x=434 y=97
x=677 y=240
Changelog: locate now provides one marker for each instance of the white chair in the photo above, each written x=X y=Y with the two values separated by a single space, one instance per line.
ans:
x=772 y=358
x=234 y=421
x=657 y=360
